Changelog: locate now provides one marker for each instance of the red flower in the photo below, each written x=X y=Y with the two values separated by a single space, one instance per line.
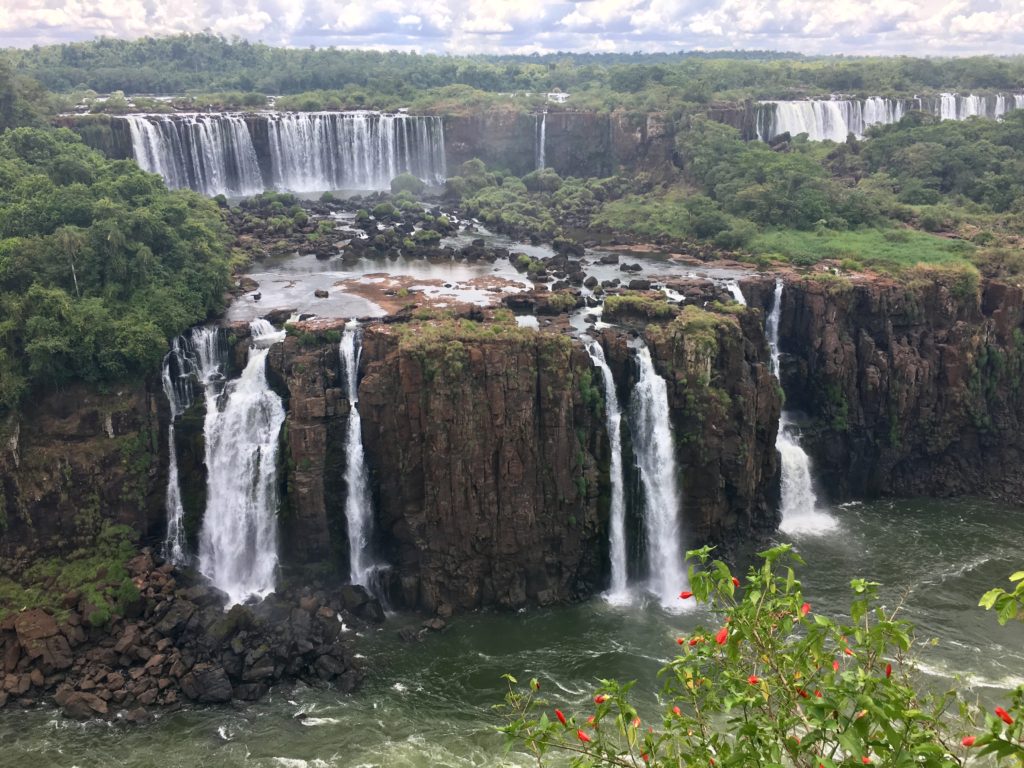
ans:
x=590 y=721
x=735 y=581
x=680 y=640
x=1003 y=715
x=818 y=694
x=802 y=692
x=866 y=760
x=753 y=679
x=636 y=722
x=685 y=594
x=722 y=636
x=560 y=716
x=600 y=698
x=805 y=609
x=644 y=757
x=835 y=665
x=847 y=651
x=582 y=736
x=888 y=670
x=695 y=640
x=967 y=741
x=676 y=711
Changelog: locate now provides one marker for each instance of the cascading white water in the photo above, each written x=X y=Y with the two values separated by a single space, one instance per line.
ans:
x=303 y=152
x=737 y=294
x=194 y=358
x=654 y=446
x=618 y=593
x=800 y=513
x=238 y=541
x=177 y=385
x=834 y=119
x=541 y=152
x=358 y=502
x=314 y=151
x=212 y=154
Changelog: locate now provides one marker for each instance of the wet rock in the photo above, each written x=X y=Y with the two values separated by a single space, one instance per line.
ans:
x=175 y=619
x=207 y=683
x=79 y=705
x=320 y=293
x=639 y=285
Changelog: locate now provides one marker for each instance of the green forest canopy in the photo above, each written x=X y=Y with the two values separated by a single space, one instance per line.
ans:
x=206 y=62
x=99 y=264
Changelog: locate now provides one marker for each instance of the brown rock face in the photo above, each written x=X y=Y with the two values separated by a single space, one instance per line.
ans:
x=315 y=425
x=910 y=390
x=486 y=465
x=576 y=143
x=489 y=455
x=725 y=410
x=75 y=460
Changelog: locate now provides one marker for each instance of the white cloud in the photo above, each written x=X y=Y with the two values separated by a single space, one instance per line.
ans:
x=932 y=27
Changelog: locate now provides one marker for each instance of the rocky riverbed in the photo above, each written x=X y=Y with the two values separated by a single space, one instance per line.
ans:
x=176 y=644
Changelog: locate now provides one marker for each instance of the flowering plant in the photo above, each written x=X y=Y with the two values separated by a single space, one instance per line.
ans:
x=774 y=683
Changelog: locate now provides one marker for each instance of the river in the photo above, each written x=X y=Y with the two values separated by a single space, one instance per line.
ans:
x=429 y=703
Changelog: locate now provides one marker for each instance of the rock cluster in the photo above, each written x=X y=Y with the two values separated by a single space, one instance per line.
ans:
x=176 y=644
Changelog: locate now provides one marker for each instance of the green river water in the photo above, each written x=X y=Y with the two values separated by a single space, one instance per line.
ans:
x=430 y=703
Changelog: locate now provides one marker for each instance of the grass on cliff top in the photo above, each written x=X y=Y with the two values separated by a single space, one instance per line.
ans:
x=638 y=304
x=697 y=326
x=430 y=328
x=891 y=249
x=97 y=572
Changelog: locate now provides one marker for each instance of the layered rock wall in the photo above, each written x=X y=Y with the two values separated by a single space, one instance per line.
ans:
x=75 y=460
x=910 y=389
x=486 y=458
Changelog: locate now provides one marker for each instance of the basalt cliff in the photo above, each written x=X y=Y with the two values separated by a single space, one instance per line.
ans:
x=487 y=445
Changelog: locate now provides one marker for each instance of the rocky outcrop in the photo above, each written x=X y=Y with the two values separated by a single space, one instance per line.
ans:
x=576 y=143
x=908 y=388
x=725 y=409
x=175 y=644
x=313 y=523
x=486 y=453
x=75 y=460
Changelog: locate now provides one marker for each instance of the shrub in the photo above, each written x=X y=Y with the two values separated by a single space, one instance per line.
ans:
x=774 y=682
x=406 y=182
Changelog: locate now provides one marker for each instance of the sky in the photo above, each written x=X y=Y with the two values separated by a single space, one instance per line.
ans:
x=915 y=27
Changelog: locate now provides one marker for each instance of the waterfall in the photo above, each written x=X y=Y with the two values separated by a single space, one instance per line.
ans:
x=619 y=592
x=197 y=357
x=833 y=119
x=314 y=151
x=177 y=384
x=800 y=513
x=651 y=428
x=238 y=541
x=358 y=502
x=212 y=154
x=542 y=120
x=303 y=152
x=737 y=294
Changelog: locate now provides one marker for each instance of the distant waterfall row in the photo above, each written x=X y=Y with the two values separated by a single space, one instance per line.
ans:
x=232 y=154
x=834 y=119
x=654 y=448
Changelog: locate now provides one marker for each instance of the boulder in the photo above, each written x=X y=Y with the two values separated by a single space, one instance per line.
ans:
x=80 y=705
x=207 y=684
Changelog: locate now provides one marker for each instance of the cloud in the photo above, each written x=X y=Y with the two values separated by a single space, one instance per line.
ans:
x=923 y=27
